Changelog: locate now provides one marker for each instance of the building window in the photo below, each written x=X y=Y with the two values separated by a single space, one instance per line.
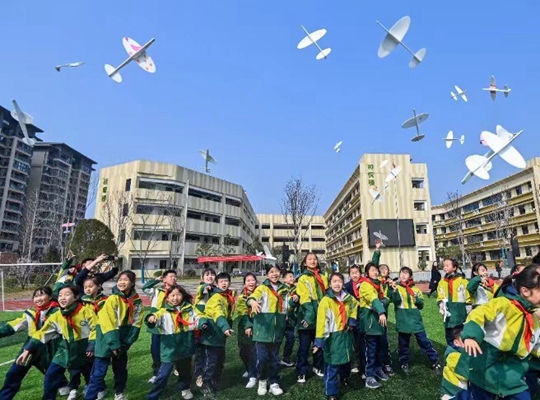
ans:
x=122 y=237
x=128 y=185
x=265 y=226
x=421 y=229
x=162 y=264
x=518 y=190
x=316 y=239
x=522 y=210
x=528 y=251
x=233 y=202
x=265 y=239
x=104 y=190
x=525 y=229
x=103 y=198
x=418 y=183
x=420 y=206
x=125 y=210
x=423 y=255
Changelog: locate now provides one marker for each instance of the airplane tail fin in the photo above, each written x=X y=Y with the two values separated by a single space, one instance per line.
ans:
x=453 y=96
x=462 y=139
x=57 y=69
x=418 y=58
x=324 y=53
x=507 y=92
x=112 y=73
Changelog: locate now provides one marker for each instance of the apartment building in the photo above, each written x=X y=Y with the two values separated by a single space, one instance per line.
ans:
x=489 y=216
x=274 y=232
x=158 y=200
x=355 y=219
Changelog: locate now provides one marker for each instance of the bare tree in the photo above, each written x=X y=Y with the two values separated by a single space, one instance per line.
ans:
x=92 y=190
x=29 y=225
x=117 y=213
x=298 y=207
x=455 y=211
x=501 y=217
x=175 y=230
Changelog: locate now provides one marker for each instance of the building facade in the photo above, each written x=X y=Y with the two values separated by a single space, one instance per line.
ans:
x=355 y=218
x=486 y=219
x=274 y=232
x=147 y=205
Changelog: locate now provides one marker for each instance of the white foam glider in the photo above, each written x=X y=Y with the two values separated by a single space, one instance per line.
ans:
x=207 y=158
x=395 y=36
x=459 y=94
x=337 y=147
x=500 y=144
x=392 y=172
x=415 y=121
x=450 y=139
x=268 y=257
x=136 y=52
x=493 y=89
x=23 y=119
x=313 y=38
x=69 y=65
x=377 y=196
x=381 y=236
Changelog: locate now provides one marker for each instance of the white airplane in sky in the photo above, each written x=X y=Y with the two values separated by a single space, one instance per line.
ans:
x=493 y=89
x=450 y=139
x=415 y=121
x=136 y=52
x=337 y=147
x=207 y=158
x=313 y=38
x=69 y=65
x=380 y=236
x=459 y=94
x=23 y=119
x=268 y=257
x=377 y=196
x=395 y=36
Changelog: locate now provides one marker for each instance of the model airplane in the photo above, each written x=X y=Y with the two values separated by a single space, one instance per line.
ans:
x=337 y=147
x=23 y=119
x=70 y=65
x=313 y=38
x=395 y=36
x=493 y=89
x=501 y=132
x=380 y=236
x=450 y=139
x=377 y=196
x=500 y=144
x=392 y=172
x=268 y=257
x=459 y=94
x=415 y=121
x=136 y=52
x=208 y=159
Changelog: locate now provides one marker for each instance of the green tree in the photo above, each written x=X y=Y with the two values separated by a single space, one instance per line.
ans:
x=255 y=247
x=92 y=238
x=52 y=255
x=205 y=249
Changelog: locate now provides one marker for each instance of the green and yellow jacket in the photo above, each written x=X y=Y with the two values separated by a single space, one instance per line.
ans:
x=119 y=323
x=408 y=301
x=177 y=327
x=76 y=326
x=201 y=297
x=454 y=289
x=269 y=324
x=158 y=296
x=455 y=373
x=292 y=312
x=243 y=314
x=334 y=317
x=94 y=303
x=219 y=312
x=64 y=277
x=311 y=288
x=508 y=335
x=372 y=304
x=481 y=293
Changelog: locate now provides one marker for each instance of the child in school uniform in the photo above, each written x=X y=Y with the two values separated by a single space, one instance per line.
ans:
x=408 y=301
x=353 y=288
x=32 y=320
x=245 y=342
x=452 y=297
x=118 y=327
x=481 y=286
x=158 y=290
x=268 y=304
x=336 y=317
x=385 y=348
x=501 y=336
x=75 y=325
x=176 y=323
x=292 y=318
x=218 y=312
x=67 y=273
x=454 y=384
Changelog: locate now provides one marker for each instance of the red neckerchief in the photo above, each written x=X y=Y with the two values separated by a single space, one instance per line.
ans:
x=450 y=282
x=247 y=293
x=131 y=305
x=69 y=318
x=490 y=284
x=356 y=288
x=408 y=286
x=181 y=321
x=342 y=312
x=37 y=316
x=529 y=323
x=377 y=287
x=279 y=298
x=230 y=298
x=319 y=280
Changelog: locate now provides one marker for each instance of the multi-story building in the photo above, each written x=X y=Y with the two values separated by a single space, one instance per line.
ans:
x=355 y=219
x=15 y=164
x=485 y=219
x=152 y=197
x=274 y=232
x=57 y=189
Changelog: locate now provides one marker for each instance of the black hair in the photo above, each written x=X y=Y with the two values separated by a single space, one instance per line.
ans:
x=96 y=281
x=303 y=265
x=475 y=268
x=435 y=264
x=169 y=271
x=536 y=258
x=268 y=267
x=370 y=265
x=286 y=272
x=43 y=290
x=456 y=332
x=87 y=259
x=528 y=278
x=74 y=289
x=250 y=274
x=455 y=264
x=338 y=274
x=130 y=275
x=185 y=295
x=223 y=275
x=408 y=270
x=211 y=270
x=356 y=266
x=516 y=267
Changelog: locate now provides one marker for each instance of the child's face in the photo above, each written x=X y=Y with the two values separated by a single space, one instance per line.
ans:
x=311 y=262
x=66 y=298
x=289 y=279
x=373 y=273
x=251 y=283
x=336 y=284
x=42 y=299
x=223 y=284
x=384 y=271
x=175 y=298
x=531 y=295
x=90 y=288
x=124 y=284
x=355 y=274
x=170 y=279
x=209 y=278
x=482 y=271
x=448 y=267
x=273 y=275
x=404 y=276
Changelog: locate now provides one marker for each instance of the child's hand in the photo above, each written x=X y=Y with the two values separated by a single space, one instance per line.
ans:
x=204 y=326
x=152 y=319
x=229 y=332
x=378 y=244
x=382 y=320
x=295 y=298
x=304 y=324
x=70 y=255
x=472 y=347
x=23 y=358
x=255 y=306
x=249 y=332
x=207 y=289
x=315 y=349
x=89 y=354
x=116 y=352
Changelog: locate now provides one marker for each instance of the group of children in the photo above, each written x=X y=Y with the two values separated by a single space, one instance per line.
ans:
x=343 y=325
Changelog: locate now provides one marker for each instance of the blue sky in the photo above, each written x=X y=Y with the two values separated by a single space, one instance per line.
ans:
x=229 y=78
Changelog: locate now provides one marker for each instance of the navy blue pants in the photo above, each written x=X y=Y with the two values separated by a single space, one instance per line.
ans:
x=155 y=350
x=463 y=395
x=360 y=349
x=199 y=360
x=305 y=338
x=331 y=373
x=373 y=355
x=184 y=377
x=99 y=371
x=289 y=343
x=478 y=393
x=249 y=358
x=75 y=376
x=214 y=359
x=531 y=377
x=267 y=361
x=54 y=378
x=424 y=343
x=449 y=337
x=385 y=348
